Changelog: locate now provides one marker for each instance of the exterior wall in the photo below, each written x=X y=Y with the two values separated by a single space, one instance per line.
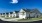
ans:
x=20 y=14
x=14 y=14
x=17 y=15
x=0 y=15
x=32 y=14
x=9 y=14
x=37 y=15
x=27 y=14
x=5 y=15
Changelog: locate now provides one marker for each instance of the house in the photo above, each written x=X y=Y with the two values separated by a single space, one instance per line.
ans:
x=25 y=13
x=10 y=14
x=3 y=14
x=6 y=14
x=0 y=14
x=15 y=14
x=35 y=13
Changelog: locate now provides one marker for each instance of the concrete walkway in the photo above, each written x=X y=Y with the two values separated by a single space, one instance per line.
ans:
x=14 y=19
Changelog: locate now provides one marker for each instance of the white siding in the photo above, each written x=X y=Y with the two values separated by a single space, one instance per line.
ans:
x=9 y=15
x=32 y=14
x=14 y=15
x=20 y=14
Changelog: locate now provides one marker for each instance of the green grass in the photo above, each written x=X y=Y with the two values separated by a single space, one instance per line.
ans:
x=3 y=16
x=28 y=20
x=23 y=20
x=9 y=17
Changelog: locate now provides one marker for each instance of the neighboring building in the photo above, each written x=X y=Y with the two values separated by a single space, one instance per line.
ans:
x=10 y=14
x=3 y=14
x=0 y=14
x=35 y=12
x=15 y=14
x=7 y=14
x=24 y=13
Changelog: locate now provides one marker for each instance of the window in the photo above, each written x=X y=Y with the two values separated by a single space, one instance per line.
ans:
x=22 y=13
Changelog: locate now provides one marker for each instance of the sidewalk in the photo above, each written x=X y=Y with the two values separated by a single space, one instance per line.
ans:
x=14 y=19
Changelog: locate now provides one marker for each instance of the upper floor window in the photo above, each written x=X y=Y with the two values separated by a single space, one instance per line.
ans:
x=22 y=13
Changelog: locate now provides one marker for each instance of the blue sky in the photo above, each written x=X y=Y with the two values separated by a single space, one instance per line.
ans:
x=12 y=5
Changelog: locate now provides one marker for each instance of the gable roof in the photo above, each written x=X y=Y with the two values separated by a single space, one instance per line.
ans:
x=26 y=10
x=32 y=10
x=35 y=11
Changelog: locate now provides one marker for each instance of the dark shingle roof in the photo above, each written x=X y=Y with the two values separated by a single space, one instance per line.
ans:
x=26 y=10
x=16 y=11
x=11 y=12
x=36 y=11
x=32 y=10
x=7 y=13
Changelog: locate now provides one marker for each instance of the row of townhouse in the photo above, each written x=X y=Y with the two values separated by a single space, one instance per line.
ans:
x=10 y=14
x=23 y=13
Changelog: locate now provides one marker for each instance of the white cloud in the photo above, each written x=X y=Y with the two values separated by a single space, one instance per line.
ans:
x=14 y=1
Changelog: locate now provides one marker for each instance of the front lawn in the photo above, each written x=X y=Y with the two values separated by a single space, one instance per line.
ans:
x=29 y=20
x=9 y=17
